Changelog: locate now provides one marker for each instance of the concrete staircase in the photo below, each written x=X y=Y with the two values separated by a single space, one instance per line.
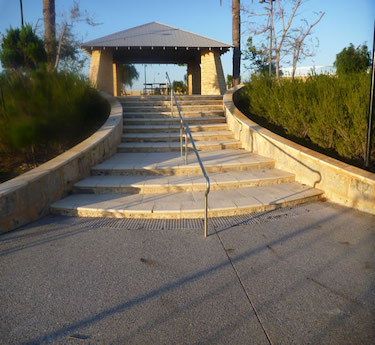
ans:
x=147 y=178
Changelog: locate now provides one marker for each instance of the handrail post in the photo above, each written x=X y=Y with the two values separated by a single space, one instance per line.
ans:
x=171 y=102
x=205 y=214
x=181 y=132
x=184 y=128
x=186 y=149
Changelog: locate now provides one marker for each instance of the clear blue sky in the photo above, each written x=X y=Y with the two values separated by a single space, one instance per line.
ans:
x=345 y=21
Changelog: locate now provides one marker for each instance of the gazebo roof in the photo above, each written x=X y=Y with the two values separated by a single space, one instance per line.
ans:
x=155 y=35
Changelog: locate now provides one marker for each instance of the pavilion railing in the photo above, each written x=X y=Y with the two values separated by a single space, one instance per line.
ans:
x=184 y=127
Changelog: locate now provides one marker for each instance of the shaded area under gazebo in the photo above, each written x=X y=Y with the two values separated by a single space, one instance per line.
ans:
x=162 y=44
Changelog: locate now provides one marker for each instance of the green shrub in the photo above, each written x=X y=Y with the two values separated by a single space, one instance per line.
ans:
x=46 y=109
x=353 y=60
x=22 y=49
x=329 y=111
x=179 y=86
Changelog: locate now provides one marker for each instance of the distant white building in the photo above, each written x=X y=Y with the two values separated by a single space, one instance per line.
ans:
x=308 y=70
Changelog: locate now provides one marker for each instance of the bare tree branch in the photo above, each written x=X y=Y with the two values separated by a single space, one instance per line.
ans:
x=298 y=43
x=285 y=40
x=59 y=47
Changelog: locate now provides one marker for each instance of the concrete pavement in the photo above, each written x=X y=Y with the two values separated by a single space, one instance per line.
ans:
x=304 y=275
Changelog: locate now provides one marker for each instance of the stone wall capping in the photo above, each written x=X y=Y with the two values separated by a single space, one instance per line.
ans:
x=53 y=180
x=342 y=183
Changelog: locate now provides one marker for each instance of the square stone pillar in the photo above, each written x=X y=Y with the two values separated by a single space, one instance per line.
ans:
x=212 y=75
x=117 y=84
x=194 y=78
x=101 y=70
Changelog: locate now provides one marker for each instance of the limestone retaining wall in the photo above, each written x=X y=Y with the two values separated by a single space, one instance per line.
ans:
x=341 y=182
x=28 y=196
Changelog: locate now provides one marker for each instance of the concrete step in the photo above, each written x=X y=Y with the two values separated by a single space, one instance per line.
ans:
x=160 y=108
x=149 y=179
x=175 y=136
x=167 y=114
x=168 y=103
x=172 y=121
x=175 y=146
x=147 y=184
x=167 y=98
x=173 y=128
x=171 y=163
x=186 y=205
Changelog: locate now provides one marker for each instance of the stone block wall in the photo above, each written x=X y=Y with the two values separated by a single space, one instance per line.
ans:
x=117 y=85
x=212 y=75
x=194 y=78
x=101 y=70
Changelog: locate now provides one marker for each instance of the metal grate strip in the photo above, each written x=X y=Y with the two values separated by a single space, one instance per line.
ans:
x=182 y=224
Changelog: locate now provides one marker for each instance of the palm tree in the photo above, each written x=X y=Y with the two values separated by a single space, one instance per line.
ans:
x=50 y=31
x=236 y=37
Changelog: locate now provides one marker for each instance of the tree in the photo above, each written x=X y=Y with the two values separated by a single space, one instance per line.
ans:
x=352 y=60
x=179 y=86
x=236 y=37
x=297 y=42
x=66 y=51
x=128 y=73
x=49 y=17
x=284 y=39
x=69 y=56
x=22 y=49
x=258 y=58
x=229 y=81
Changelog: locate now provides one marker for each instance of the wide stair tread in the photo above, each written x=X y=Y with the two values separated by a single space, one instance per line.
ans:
x=180 y=183
x=165 y=108
x=167 y=103
x=145 y=128
x=180 y=98
x=172 y=120
x=166 y=114
x=187 y=204
x=173 y=146
x=162 y=163
x=175 y=136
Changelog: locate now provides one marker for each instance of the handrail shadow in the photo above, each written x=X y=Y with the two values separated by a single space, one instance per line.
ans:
x=175 y=285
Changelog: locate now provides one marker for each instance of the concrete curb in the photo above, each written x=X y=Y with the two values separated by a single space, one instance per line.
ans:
x=28 y=197
x=342 y=183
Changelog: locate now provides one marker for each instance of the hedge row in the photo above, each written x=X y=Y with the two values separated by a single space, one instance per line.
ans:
x=331 y=112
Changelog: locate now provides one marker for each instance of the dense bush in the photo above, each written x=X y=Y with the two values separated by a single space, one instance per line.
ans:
x=352 y=60
x=45 y=109
x=179 y=87
x=330 y=111
x=22 y=49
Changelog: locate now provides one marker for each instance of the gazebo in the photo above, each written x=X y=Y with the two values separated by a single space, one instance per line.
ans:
x=158 y=43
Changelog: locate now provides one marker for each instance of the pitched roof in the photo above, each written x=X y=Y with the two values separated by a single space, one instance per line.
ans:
x=155 y=35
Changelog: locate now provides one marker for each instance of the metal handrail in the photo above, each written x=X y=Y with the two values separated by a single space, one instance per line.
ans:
x=184 y=126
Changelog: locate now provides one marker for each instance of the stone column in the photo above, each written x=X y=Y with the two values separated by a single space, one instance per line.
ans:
x=212 y=75
x=117 y=84
x=101 y=70
x=194 y=78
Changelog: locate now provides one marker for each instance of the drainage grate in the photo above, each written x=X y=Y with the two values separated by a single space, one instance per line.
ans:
x=181 y=224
